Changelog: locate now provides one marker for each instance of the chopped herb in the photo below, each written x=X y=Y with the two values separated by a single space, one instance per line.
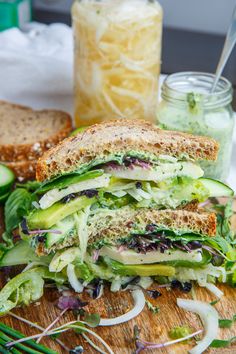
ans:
x=222 y=343
x=226 y=323
x=92 y=320
x=212 y=303
x=152 y=308
x=193 y=99
x=179 y=332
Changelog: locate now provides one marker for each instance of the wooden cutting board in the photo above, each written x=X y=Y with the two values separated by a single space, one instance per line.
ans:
x=154 y=327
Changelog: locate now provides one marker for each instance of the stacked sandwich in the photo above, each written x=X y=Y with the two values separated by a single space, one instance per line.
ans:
x=117 y=202
x=121 y=199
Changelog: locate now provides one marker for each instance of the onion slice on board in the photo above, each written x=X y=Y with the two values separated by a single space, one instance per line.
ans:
x=73 y=280
x=209 y=317
x=139 y=303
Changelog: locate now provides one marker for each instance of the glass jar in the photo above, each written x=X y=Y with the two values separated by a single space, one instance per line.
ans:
x=187 y=105
x=117 y=50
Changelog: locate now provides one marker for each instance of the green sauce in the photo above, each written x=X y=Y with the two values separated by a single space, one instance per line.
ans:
x=196 y=119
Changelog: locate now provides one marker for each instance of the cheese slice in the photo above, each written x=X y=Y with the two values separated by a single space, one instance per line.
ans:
x=54 y=195
x=156 y=173
x=132 y=257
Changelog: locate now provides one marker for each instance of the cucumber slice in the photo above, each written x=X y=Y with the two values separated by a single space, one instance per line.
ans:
x=217 y=188
x=7 y=178
x=65 y=226
x=21 y=253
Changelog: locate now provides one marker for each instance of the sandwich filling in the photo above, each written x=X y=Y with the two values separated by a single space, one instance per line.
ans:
x=117 y=217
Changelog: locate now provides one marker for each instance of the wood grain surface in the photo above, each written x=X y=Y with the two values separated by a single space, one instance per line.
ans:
x=154 y=327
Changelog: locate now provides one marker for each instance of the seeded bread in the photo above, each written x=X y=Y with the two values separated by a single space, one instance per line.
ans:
x=121 y=137
x=26 y=134
x=24 y=170
x=117 y=224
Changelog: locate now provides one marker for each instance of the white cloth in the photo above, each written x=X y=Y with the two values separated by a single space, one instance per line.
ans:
x=36 y=69
x=36 y=66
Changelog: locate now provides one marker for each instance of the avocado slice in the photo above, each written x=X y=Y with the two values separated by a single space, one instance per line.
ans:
x=144 y=270
x=46 y=218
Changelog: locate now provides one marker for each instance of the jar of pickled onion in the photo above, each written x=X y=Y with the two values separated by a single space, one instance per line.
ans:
x=117 y=53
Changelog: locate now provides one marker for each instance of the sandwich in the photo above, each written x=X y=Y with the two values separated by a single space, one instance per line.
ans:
x=120 y=200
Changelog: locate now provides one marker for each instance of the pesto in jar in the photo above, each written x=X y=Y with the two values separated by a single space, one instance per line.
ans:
x=188 y=106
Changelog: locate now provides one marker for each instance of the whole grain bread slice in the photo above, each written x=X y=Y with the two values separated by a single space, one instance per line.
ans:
x=113 y=225
x=26 y=134
x=122 y=136
x=23 y=170
x=124 y=220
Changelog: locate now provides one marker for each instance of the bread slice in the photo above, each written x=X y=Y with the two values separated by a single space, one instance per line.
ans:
x=122 y=136
x=24 y=170
x=26 y=134
x=116 y=224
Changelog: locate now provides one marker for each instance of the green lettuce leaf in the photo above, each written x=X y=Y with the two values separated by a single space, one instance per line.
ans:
x=17 y=206
x=67 y=180
x=25 y=288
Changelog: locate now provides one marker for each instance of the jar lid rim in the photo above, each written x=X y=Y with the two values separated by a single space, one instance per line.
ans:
x=175 y=87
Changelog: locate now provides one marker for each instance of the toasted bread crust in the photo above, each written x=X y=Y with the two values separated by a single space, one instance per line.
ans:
x=121 y=137
x=24 y=151
x=24 y=170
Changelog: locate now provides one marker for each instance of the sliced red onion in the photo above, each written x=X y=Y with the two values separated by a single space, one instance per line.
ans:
x=122 y=248
x=53 y=231
x=142 y=164
x=95 y=255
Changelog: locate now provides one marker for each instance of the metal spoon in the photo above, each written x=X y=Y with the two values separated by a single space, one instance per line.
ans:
x=227 y=49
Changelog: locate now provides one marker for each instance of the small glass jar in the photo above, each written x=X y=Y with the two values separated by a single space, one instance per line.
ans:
x=117 y=56
x=187 y=105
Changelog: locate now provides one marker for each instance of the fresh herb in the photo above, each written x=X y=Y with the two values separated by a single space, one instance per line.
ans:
x=144 y=345
x=222 y=343
x=77 y=326
x=227 y=323
x=193 y=99
x=17 y=206
x=212 y=303
x=152 y=308
x=92 y=320
x=30 y=186
x=179 y=332
x=7 y=334
x=70 y=303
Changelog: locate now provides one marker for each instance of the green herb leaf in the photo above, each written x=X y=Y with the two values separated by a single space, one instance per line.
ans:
x=179 y=332
x=222 y=343
x=18 y=205
x=212 y=303
x=152 y=308
x=226 y=323
x=92 y=320
x=30 y=186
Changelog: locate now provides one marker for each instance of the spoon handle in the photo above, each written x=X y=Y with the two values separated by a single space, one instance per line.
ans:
x=227 y=49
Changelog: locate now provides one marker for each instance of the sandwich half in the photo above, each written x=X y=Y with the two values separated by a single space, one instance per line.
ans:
x=120 y=199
